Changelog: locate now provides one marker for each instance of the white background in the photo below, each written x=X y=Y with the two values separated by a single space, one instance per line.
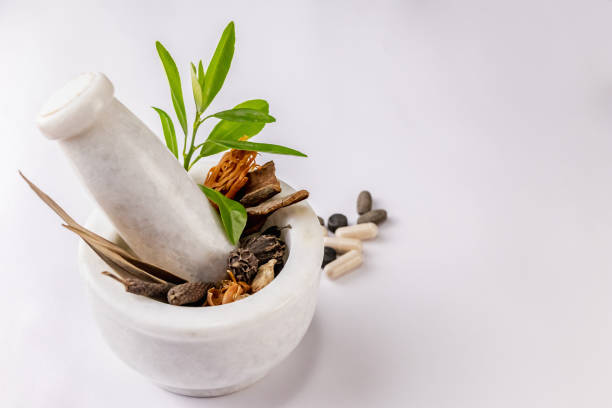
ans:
x=483 y=127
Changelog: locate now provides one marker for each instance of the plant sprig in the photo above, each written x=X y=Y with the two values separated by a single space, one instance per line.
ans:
x=243 y=121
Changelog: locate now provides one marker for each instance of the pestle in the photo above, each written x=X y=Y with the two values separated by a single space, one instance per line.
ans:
x=151 y=200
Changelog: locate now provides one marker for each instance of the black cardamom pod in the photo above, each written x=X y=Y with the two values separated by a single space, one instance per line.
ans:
x=266 y=247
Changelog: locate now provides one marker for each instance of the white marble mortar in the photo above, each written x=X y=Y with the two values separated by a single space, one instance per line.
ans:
x=211 y=351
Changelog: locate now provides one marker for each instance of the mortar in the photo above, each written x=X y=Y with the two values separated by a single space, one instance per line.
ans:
x=210 y=351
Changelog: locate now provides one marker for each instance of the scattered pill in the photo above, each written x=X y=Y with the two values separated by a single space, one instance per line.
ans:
x=364 y=202
x=343 y=244
x=336 y=221
x=329 y=254
x=343 y=264
x=375 y=216
x=360 y=231
x=321 y=220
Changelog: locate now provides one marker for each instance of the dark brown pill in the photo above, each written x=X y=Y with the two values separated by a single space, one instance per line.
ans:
x=336 y=221
x=329 y=254
x=321 y=221
x=364 y=202
x=375 y=216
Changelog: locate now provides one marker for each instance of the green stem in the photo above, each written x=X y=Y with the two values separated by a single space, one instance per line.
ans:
x=192 y=148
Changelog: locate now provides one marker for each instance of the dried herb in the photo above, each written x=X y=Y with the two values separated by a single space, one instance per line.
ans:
x=156 y=291
x=270 y=206
x=265 y=275
x=189 y=292
x=234 y=292
x=243 y=264
x=230 y=174
x=258 y=215
x=261 y=185
x=267 y=247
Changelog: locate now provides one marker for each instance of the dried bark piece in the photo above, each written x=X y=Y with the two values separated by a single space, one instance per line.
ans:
x=156 y=291
x=242 y=263
x=262 y=185
x=266 y=247
x=265 y=275
x=189 y=292
x=272 y=205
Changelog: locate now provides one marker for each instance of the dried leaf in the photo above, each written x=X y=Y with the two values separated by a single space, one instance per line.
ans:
x=119 y=259
x=153 y=272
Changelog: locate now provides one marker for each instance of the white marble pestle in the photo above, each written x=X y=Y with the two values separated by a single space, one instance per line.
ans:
x=155 y=206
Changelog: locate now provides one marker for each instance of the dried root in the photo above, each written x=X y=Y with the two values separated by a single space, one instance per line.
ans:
x=230 y=174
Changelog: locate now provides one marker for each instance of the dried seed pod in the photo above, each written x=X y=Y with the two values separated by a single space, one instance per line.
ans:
x=266 y=247
x=243 y=264
x=265 y=275
x=142 y=288
x=189 y=292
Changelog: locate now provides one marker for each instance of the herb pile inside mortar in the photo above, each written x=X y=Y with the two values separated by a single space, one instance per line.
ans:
x=244 y=192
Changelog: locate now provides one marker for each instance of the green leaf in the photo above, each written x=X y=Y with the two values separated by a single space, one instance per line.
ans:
x=233 y=214
x=196 y=87
x=243 y=115
x=168 y=128
x=256 y=147
x=219 y=64
x=174 y=79
x=201 y=75
x=227 y=130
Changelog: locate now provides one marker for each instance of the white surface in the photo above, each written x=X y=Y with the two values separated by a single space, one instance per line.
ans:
x=483 y=127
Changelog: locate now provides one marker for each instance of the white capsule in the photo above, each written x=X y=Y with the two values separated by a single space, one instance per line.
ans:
x=343 y=244
x=323 y=231
x=343 y=264
x=359 y=231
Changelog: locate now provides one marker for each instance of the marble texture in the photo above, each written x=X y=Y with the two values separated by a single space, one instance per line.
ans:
x=158 y=210
x=211 y=351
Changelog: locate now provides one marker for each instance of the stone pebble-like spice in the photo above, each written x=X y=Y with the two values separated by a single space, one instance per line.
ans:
x=343 y=253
